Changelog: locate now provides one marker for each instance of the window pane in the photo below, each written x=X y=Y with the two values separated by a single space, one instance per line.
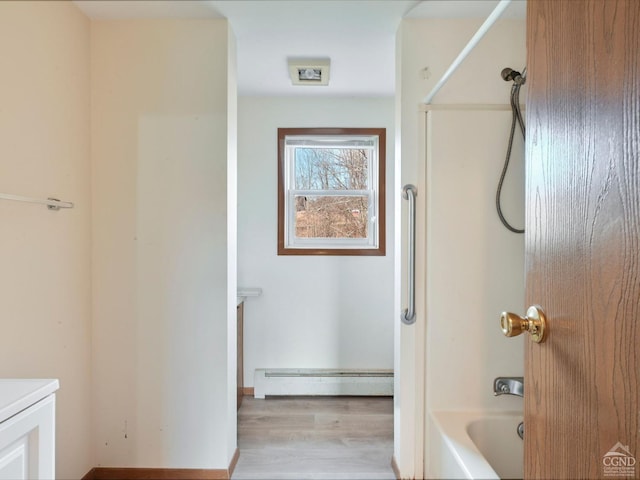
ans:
x=331 y=216
x=331 y=195
x=331 y=169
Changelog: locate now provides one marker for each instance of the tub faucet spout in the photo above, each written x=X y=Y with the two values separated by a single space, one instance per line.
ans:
x=509 y=386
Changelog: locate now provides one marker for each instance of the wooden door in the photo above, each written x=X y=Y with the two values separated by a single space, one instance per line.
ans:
x=582 y=409
x=240 y=365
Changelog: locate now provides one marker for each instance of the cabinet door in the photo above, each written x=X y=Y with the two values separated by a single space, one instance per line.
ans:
x=14 y=460
x=240 y=353
x=27 y=443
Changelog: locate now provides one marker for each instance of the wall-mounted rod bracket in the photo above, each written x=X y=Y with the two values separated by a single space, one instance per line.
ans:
x=51 y=203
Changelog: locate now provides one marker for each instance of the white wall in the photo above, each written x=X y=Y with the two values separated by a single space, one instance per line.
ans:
x=159 y=97
x=315 y=312
x=45 y=279
x=474 y=267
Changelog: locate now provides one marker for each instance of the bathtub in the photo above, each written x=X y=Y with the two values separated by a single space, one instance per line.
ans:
x=475 y=445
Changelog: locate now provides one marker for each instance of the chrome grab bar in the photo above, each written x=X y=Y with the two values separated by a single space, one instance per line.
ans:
x=408 y=315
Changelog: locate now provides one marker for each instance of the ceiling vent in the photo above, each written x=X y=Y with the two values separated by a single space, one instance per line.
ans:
x=304 y=71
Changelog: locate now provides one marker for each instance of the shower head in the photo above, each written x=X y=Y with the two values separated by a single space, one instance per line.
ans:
x=511 y=75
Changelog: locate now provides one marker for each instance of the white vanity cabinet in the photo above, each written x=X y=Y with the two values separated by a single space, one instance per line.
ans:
x=27 y=429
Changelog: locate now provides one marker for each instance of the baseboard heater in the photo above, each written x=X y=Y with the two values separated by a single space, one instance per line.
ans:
x=296 y=381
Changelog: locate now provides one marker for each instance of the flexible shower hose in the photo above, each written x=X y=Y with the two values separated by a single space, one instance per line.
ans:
x=516 y=117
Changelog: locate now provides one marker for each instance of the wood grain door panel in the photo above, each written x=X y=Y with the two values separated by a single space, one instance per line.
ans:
x=583 y=234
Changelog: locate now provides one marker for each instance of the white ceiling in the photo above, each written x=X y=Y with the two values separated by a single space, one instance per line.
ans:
x=357 y=35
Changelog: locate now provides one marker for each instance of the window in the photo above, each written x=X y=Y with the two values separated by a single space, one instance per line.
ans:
x=331 y=191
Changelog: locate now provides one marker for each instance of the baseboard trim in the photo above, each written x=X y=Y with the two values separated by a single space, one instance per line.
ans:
x=248 y=391
x=396 y=469
x=234 y=462
x=89 y=475
x=114 y=473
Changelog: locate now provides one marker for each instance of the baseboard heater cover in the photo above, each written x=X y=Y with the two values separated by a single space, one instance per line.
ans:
x=298 y=381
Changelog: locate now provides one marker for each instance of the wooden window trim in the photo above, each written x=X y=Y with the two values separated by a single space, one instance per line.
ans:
x=381 y=192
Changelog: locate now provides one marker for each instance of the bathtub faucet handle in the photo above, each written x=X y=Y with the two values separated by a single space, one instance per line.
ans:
x=509 y=386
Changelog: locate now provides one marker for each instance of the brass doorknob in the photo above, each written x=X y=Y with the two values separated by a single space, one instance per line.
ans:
x=535 y=323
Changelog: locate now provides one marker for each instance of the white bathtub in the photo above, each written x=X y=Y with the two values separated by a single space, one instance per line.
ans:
x=475 y=445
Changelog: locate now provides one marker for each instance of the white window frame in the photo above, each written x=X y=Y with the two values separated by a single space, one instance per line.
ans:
x=372 y=140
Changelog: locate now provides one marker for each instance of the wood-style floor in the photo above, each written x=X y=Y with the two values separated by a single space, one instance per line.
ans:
x=315 y=438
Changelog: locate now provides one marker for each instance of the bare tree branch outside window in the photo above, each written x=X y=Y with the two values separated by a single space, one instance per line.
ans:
x=331 y=216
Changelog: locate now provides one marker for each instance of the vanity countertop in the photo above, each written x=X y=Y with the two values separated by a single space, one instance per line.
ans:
x=244 y=292
x=17 y=394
